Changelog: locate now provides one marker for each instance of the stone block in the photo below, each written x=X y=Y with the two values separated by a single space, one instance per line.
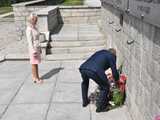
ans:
x=65 y=37
x=153 y=69
x=147 y=116
x=155 y=93
x=146 y=60
x=111 y=115
x=8 y=94
x=69 y=77
x=155 y=110
x=67 y=92
x=49 y=66
x=147 y=45
x=138 y=52
x=155 y=74
x=136 y=113
x=72 y=65
x=157 y=36
x=31 y=93
x=156 y=52
x=77 y=14
x=26 y=112
x=71 y=111
x=91 y=13
x=65 y=13
x=136 y=29
x=2 y=109
x=126 y=25
x=148 y=31
x=146 y=79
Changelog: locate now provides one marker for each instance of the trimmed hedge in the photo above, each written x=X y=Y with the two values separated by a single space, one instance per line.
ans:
x=5 y=3
x=73 y=2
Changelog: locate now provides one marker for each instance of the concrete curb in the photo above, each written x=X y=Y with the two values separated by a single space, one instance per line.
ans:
x=16 y=57
x=2 y=58
x=6 y=14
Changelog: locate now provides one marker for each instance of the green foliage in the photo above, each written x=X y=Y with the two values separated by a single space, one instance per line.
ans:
x=117 y=97
x=5 y=3
x=73 y=2
x=5 y=10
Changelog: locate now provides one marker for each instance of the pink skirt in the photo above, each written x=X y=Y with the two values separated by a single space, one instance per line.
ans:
x=35 y=59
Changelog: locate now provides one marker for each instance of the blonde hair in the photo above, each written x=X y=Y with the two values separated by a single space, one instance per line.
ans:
x=31 y=16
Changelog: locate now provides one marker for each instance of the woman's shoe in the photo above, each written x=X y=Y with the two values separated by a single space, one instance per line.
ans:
x=39 y=81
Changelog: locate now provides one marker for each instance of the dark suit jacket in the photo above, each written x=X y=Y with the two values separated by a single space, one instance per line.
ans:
x=100 y=62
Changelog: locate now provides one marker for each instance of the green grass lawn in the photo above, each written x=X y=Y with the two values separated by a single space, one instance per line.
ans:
x=5 y=10
x=73 y=2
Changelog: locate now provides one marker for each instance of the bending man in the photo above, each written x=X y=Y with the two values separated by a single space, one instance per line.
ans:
x=94 y=68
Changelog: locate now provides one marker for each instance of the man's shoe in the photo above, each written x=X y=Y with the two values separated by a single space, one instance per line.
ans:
x=98 y=110
x=86 y=104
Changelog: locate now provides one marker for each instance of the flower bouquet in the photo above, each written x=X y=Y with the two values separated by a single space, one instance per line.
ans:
x=117 y=93
x=117 y=90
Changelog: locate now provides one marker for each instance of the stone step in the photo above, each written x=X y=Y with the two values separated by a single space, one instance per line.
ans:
x=71 y=56
x=77 y=49
x=77 y=43
x=73 y=37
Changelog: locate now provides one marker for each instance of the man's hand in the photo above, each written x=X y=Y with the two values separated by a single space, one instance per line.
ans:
x=109 y=75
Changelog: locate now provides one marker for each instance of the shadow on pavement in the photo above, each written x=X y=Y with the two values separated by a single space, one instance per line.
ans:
x=51 y=73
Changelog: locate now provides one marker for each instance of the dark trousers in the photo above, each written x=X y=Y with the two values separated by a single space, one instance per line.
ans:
x=102 y=81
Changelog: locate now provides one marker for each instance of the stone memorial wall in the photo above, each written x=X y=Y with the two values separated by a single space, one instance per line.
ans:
x=119 y=4
x=138 y=44
x=148 y=10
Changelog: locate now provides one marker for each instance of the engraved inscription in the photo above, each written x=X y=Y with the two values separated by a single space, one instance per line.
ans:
x=148 y=10
x=150 y=1
x=144 y=9
x=118 y=2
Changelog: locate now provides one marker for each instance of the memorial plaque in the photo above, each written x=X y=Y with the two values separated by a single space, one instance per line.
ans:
x=120 y=4
x=110 y=2
x=148 y=10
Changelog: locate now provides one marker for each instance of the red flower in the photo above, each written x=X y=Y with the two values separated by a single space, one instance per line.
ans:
x=122 y=83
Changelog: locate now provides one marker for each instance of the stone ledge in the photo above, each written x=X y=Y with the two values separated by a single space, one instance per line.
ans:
x=16 y=57
x=2 y=58
x=46 y=11
x=78 y=7
x=64 y=57
x=6 y=14
x=27 y=3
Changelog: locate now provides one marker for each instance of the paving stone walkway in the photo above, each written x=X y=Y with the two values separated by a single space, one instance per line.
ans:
x=59 y=98
x=7 y=33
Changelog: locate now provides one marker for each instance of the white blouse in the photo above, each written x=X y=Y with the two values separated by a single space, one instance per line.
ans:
x=32 y=35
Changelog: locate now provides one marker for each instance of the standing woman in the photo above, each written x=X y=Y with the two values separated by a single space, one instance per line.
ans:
x=32 y=34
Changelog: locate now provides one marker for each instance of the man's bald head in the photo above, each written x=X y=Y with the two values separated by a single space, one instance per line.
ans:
x=113 y=51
